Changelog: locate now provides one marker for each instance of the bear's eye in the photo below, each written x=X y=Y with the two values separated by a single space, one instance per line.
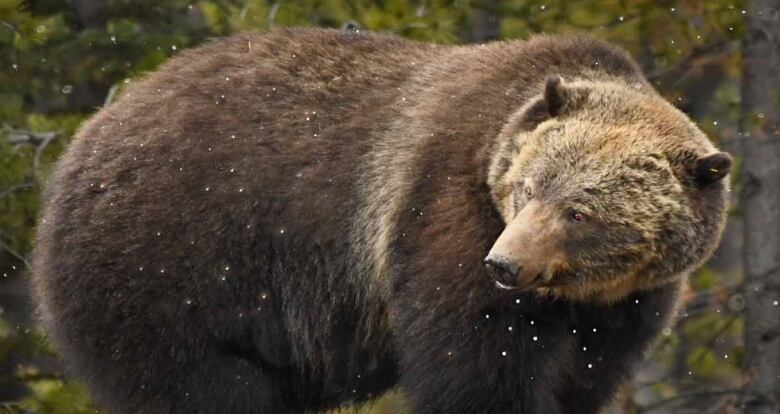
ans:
x=577 y=216
x=528 y=193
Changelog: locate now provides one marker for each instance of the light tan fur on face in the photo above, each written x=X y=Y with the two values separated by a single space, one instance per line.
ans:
x=532 y=239
x=619 y=122
x=602 y=292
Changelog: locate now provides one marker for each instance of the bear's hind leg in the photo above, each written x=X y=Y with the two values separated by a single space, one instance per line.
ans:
x=226 y=384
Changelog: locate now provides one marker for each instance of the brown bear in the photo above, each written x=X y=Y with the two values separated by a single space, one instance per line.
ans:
x=285 y=222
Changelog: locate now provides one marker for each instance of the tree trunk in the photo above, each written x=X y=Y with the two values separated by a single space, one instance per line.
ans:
x=760 y=124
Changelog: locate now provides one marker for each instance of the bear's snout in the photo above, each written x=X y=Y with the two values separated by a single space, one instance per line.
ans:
x=503 y=271
x=509 y=275
x=521 y=256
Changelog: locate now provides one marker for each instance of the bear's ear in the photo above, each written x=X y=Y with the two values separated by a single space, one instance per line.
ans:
x=711 y=168
x=553 y=95
x=555 y=100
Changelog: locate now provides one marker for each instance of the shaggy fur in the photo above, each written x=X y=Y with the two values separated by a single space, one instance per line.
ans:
x=282 y=222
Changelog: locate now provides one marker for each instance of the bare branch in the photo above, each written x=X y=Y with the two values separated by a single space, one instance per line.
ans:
x=272 y=14
x=714 y=338
x=39 y=151
x=39 y=376
x=39 y=140
x=681 y=70
x=687 y=396
x=17 y=255
x=111 y=94
x=22 y=137
x=8 y=26
x=16 y=187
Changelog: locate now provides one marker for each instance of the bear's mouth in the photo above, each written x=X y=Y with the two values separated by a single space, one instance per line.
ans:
x=537 y=282
x=503 y=286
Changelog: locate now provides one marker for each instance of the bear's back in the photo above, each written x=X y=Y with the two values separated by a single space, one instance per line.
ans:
x=252 y=117
x=176 y=205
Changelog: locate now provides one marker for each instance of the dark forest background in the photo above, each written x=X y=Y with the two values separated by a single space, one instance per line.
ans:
x=718 y=61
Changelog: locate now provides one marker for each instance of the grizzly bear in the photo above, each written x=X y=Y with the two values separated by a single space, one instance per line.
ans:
x=291 y=221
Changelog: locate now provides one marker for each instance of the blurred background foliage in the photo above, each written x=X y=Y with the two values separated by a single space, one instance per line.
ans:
x=61 y=60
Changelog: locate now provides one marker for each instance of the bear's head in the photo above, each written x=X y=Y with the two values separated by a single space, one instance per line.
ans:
x=605 y=189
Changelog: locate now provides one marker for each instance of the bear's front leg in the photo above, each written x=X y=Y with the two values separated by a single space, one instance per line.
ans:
x=460 y=356
x=611 y=341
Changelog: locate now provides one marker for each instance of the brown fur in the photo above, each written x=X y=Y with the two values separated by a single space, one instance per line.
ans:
x=282 y=222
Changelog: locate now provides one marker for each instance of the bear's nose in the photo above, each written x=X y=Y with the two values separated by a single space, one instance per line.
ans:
x=502 y=270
